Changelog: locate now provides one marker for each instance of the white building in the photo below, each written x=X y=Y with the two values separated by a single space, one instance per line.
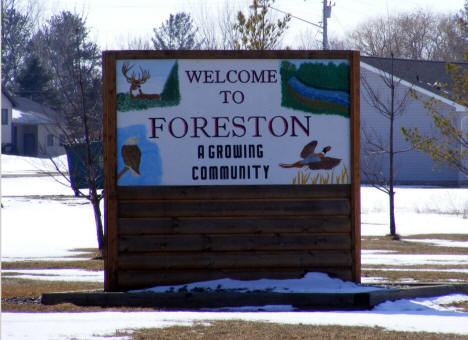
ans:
x=7 y=106
x=33 y=129
x=425 y=79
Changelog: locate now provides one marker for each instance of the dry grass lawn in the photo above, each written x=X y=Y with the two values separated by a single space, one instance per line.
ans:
x=23 y=295
x=416 y=273
x=235 y=330
x=405 y=246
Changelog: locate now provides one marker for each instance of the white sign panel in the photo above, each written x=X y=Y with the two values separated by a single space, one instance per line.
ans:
x=233 y=122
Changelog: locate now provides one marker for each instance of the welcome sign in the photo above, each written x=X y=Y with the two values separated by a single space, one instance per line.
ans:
x=230 y=164
x=230 y=121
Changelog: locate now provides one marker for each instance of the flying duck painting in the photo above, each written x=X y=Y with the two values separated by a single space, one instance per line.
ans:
x=313 y=160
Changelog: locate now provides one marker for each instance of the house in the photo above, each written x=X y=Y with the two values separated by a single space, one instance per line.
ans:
x=7 y=106
x=34 y=129
x=412 y=167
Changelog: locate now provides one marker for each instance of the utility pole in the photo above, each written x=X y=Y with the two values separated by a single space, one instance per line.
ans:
x=326 y=14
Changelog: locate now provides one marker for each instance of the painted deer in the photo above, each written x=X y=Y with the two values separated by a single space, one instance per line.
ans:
x=135 y=83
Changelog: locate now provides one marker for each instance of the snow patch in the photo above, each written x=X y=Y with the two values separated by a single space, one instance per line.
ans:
x=22 y=165
x=77 y=275
x=412 y=259
x=442 y=243
x=310 y=283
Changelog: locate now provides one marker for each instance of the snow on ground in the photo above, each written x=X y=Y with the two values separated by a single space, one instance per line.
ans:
x=41 y=220
x=34 y=186
x=393 y=269
x=34 y=228
x=411 y=315
x=56 y=274
x=417 y=200
x=444 y=243
x=311 y=283
x=411 y=259
x=413 y=223
x=18 y=165
x=40 y=216
x=418 y=211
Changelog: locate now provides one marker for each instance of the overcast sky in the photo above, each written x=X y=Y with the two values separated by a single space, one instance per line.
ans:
x=113 y=22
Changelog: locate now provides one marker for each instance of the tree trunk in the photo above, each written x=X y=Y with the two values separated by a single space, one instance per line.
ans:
x=391 y=196
x=97 y=217
x=391 y=192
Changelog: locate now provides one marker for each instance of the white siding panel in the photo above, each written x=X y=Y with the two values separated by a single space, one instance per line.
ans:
x=6 y=129
x=412 y=167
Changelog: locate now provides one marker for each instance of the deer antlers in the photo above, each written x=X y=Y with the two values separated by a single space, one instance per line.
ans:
x=135 y=82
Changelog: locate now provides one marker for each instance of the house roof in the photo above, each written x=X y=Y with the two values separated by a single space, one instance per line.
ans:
x=426 y=74
x=30 y=118
x=27 y=111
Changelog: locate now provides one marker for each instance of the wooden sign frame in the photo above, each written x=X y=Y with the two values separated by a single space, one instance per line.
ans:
x=165 y=235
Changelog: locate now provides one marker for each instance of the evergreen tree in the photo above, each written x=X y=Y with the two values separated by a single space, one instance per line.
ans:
x=74 y=63
x=171 y=92
x=16 y=34
x=34 y=82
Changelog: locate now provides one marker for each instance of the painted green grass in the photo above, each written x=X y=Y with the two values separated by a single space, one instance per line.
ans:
x=125 y=104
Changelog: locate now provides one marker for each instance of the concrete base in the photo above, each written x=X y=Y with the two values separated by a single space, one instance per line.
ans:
x=218 y=299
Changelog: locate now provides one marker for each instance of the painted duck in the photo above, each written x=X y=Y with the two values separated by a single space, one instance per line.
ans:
x=313 y=160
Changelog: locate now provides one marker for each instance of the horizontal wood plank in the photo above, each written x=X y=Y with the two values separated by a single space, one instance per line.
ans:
x=259 y=225
x=212 y=260
x=143 y=279
x=237 y=192
x=332 y=207
x=231 y=54
x=137 y=244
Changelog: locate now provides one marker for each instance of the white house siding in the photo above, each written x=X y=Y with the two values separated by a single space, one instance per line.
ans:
x=412 y=167
x=44 y=149
x=32 y=130
x=6 y=129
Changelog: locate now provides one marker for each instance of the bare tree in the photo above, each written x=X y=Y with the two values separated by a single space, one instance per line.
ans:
x=311 y=39
x=390 y=105
x=177 y=33
x=417 y=35
x=208 y=28
x=216 y=30
x=132 y=42
x=74 y=63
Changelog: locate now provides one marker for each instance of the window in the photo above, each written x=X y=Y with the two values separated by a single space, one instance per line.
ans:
x=50 y=140
x=4 y=116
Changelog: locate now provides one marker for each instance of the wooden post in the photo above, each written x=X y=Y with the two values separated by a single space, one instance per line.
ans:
x=355 y=163
x=110 y=161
